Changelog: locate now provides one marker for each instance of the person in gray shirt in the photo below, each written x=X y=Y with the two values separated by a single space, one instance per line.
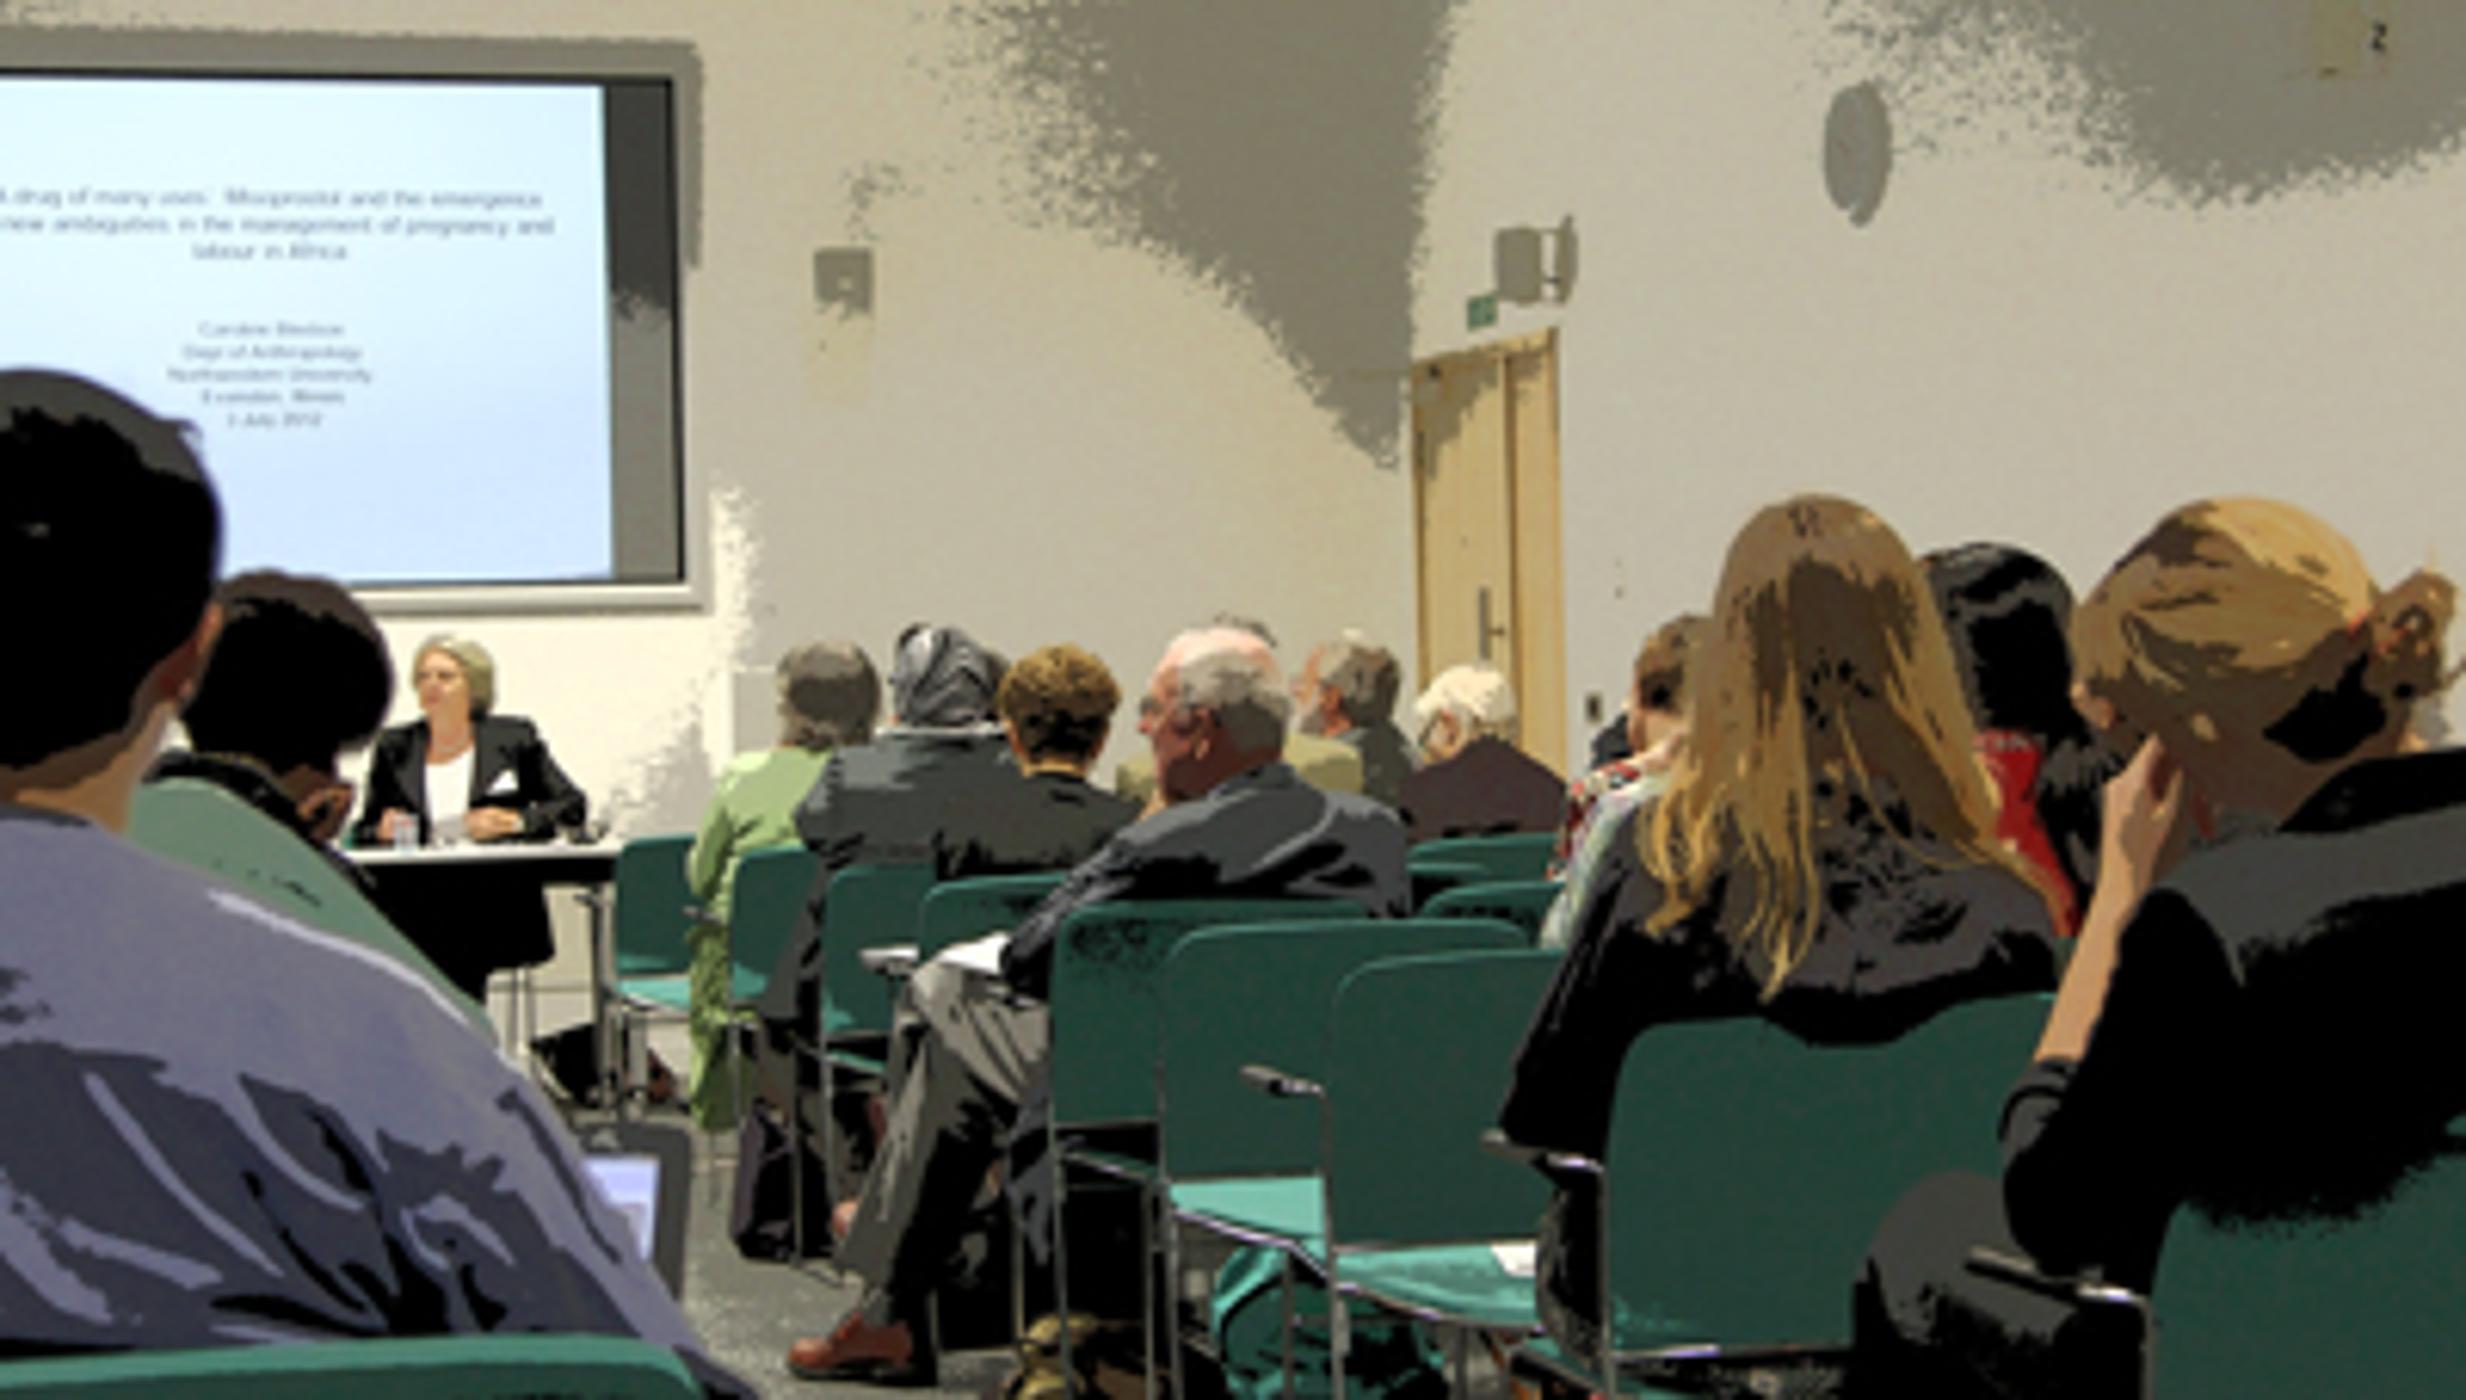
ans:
x=231 y=1127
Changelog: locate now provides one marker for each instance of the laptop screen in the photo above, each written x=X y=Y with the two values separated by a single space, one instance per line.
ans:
x=631 y=1184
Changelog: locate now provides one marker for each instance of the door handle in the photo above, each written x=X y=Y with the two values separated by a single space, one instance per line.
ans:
x=1489 y=629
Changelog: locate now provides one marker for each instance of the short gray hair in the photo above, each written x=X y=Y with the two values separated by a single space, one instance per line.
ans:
x=1364 y=676
x=1477 y=695
x=479 y=669
x=1239 y=684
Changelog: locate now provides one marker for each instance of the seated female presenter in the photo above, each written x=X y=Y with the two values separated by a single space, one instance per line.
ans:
x=463 y=773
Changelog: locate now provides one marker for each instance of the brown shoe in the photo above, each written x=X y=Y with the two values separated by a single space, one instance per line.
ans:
x=858 y=1350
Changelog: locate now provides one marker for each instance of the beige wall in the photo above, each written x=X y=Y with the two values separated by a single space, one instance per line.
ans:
x=1083 y=411
x=1146 y=275
x=2126 y=258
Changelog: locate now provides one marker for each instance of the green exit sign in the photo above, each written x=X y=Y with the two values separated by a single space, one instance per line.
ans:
x=1481 y=312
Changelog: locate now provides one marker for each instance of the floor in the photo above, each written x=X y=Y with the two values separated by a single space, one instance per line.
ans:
x=746 y=1312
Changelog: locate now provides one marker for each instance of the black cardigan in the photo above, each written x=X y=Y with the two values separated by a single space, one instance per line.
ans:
x=2279 y=1037
x=1899 y=938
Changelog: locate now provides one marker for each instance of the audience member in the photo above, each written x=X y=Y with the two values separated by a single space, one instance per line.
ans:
x=1656 y=715
x=1824 y=855
x=828 y=694
x=1056 y=707
x=300 y=675
x=882 y=803
x=1474 y=780
x=1347 y=692
x=2264 y=1027
x=1656 y=712
x=463 y=770
x=2005 y=611
x=275 y=1134
x=1323 y=763
x=1240 y=823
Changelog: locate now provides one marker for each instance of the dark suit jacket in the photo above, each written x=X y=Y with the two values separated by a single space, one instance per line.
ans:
x=2280 y=1034
x=1489 y=786
x=1387 y=759
x=881 y=803
x=1263 y=834
x=1052 y=821
x=500 y=744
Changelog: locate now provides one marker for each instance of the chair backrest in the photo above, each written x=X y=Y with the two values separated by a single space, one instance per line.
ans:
x=1419 y=1051
x=1515 y=855
x=770 y=893
x=1749 y=1169
x=1108 y=964
x=1432 y=878
x=2363 y=1306
x=958 y=910
x=1260 y=994
x=867 y=906
x=1519 y=902
x=387 y=1368
x=651 y=895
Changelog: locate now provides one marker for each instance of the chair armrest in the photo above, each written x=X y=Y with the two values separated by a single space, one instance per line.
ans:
x=1496 y=1142
x=2069 y=1288
x=891 y=960
x=1267 y=1079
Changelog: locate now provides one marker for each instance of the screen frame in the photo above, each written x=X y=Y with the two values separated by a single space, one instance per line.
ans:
x=155 y=54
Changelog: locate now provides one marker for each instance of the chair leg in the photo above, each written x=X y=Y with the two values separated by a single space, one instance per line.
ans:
x=1147 y=1288
x=1174 y=1292
x=1339 y=1332
x=1285 y=1278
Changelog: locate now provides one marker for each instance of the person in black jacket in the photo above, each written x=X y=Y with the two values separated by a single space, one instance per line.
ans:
x=462 y=769
x=2265 y=1027
x=1474 y=781
x=1056 y=706
x=1240 y=823
x=460 y=772
x=1824 y=855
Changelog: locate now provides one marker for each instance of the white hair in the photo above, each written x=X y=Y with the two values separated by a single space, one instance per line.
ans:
x=1476 y=694
x=1232 y=674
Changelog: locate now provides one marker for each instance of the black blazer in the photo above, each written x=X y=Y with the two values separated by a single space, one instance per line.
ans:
x=1489 y=787
x=1052 y=821
x=500 y=744
x=1900 y=936
x=1264 y=834
x=2279 y=1036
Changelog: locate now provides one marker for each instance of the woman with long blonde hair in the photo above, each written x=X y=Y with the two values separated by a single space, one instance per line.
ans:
x=1824 y=856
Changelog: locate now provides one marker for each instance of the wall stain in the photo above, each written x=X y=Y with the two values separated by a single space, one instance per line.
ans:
x=2193 y=102
x=1280 y=153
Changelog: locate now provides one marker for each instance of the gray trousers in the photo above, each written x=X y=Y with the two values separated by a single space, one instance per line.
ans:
x=962 y=1057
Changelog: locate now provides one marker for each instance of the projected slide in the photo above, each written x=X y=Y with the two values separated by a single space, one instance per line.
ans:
x=383 y=304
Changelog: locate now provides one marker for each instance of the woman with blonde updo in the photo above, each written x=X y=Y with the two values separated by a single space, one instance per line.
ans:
x=2264 y=1026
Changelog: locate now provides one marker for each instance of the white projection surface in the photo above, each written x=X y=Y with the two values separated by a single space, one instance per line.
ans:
x=384 y=305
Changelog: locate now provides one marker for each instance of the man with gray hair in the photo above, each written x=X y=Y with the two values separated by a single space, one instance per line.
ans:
x=1347 y=692
x=1474 y=780
x=1239 y=823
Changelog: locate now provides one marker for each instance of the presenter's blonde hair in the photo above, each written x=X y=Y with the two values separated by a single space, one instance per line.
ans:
x=479 y=669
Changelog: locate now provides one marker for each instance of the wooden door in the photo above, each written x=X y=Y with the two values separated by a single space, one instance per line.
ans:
x=1486 y=525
